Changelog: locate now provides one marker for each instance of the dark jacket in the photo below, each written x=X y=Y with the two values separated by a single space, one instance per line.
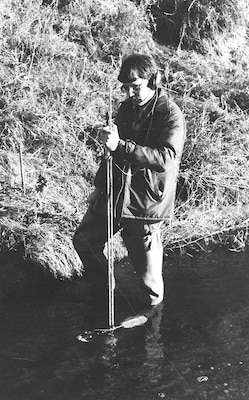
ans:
x=146 y=162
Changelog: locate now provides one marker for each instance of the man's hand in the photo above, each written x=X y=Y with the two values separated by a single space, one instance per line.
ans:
x=109 y=137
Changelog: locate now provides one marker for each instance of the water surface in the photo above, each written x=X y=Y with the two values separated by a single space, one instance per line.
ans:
x=195 y=346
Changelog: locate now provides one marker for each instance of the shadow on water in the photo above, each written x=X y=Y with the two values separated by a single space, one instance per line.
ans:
x=195 y=346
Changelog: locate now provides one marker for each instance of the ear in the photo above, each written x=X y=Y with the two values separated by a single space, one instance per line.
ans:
x=154 y=80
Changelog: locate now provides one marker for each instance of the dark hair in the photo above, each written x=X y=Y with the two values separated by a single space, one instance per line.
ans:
x=137 y=66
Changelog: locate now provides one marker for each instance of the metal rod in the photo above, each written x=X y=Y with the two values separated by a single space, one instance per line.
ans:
x=109 y=183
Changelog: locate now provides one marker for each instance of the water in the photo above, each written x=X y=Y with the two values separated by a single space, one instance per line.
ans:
x=195 y=346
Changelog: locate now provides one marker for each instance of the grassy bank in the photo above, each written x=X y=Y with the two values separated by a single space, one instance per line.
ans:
x=57 y=61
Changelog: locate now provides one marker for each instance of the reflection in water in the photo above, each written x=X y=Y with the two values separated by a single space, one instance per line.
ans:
x=194 y=346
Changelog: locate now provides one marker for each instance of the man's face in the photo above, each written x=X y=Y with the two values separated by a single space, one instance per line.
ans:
x=138 y=90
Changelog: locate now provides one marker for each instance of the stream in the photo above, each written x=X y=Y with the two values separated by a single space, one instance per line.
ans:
x=195 y=345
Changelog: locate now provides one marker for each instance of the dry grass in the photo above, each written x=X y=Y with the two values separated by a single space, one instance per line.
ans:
x=199 y=24
x=56 y=66
x=215 y=158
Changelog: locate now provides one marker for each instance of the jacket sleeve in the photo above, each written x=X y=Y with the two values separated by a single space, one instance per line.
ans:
x=168 y=143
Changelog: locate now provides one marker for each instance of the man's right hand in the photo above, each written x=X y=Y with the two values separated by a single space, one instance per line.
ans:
x=109 y=137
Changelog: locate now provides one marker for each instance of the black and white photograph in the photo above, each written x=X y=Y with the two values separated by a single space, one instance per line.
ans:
x=124 y=199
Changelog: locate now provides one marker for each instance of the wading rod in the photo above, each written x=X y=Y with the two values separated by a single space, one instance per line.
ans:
x=109 y=182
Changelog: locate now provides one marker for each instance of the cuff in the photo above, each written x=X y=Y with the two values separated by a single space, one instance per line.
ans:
x=126 y=146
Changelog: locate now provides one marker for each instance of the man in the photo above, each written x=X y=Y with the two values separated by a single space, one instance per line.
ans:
x=146 y=143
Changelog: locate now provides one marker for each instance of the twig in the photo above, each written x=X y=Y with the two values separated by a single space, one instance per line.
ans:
x=21 y=168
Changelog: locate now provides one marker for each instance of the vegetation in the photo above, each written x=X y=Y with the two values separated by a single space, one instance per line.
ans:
x=58 y=60
x=197 y=24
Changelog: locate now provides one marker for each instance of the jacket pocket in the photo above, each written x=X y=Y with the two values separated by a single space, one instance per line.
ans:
x=152 y=184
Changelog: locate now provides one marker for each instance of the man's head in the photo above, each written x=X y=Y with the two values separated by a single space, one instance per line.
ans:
x=139 y=76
